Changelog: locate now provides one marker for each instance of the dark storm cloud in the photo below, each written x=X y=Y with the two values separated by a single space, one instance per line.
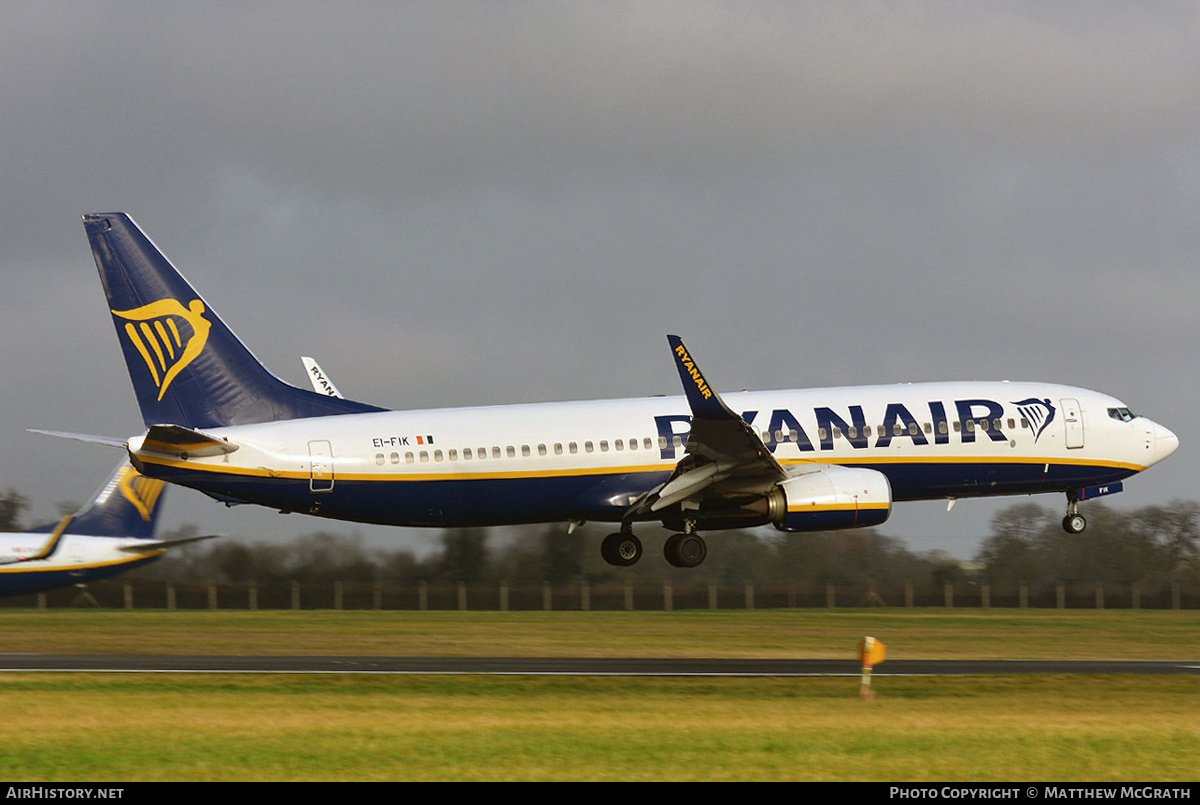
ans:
x=451 y=203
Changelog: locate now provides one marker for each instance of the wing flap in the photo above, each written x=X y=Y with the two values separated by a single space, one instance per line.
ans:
x=683 y=485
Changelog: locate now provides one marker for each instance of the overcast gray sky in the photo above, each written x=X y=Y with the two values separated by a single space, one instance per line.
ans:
x=456 y=203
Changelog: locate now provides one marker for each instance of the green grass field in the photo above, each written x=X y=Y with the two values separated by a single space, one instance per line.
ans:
x=133 y=727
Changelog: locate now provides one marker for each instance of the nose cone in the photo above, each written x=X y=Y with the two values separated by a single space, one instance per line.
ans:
x=1164 y=442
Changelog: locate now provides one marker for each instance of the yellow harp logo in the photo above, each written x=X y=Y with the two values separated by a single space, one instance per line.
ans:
x=139 y=490
x=154 y=330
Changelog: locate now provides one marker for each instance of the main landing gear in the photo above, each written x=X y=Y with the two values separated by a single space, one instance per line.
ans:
x=685 y=550
x=681 y=550
x=621 y=549
x=1074 y=522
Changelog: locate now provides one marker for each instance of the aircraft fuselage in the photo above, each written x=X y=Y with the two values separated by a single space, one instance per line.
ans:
x=576 y=461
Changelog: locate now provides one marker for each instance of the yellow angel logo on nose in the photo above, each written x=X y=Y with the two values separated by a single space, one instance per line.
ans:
x=154 y=331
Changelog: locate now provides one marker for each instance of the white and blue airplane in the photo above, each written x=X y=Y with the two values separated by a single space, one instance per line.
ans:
x=112 y=534
x=800 y=460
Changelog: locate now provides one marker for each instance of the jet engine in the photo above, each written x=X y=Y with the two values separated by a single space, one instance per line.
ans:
x=830 y=497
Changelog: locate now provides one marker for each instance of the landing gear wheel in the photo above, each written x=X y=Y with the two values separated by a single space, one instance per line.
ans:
x=621 y=549
x=685 y=550
x=1074 y=523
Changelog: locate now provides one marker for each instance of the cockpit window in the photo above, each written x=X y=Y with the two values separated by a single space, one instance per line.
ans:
x=1123 y=414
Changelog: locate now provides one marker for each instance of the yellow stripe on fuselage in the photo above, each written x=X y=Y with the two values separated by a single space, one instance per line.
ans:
x=627 y=469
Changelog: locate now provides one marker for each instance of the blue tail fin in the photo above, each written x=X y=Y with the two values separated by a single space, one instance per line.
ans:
x=187 y=367
x=126 y=506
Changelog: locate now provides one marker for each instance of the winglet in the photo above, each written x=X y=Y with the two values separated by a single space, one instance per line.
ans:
x=702 y=398
x=320 y=381
x=720 y=443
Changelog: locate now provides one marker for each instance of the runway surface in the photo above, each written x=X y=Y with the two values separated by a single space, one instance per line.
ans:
x=572 y=666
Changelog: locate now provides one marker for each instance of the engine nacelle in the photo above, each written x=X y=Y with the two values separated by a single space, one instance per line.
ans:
x=830 y=498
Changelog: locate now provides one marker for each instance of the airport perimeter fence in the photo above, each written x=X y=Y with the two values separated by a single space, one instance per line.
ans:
x=581 y=596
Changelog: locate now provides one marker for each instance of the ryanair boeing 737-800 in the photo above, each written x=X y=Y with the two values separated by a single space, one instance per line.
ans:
x=800 y=460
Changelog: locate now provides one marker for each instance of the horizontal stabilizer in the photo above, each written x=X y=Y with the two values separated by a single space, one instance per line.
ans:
x=107 y=441
x=176 y=440
x=155 y=544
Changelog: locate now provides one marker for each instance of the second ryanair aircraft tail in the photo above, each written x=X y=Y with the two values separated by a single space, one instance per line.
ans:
x=126 y=506
x=188 y=368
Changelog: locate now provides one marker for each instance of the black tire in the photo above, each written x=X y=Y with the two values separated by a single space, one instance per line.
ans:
x=685 y=550
x=1074 y=523
x=621 y=550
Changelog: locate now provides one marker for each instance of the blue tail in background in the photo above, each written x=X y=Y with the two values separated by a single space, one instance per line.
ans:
x=187 y=367
x=126 y=506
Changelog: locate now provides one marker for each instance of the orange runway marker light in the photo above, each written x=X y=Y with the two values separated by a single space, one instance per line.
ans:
x=871 y=652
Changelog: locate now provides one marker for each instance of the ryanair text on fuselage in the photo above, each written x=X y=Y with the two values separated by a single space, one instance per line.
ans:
x=898 y=422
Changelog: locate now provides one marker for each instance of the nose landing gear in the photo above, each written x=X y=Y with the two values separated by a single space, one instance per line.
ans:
x=1074 y=522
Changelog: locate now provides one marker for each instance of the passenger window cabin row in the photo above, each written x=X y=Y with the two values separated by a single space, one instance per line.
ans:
x=647 y=443
x=525 y=451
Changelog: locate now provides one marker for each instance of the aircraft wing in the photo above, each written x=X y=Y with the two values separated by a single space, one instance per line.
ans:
x=47 y=549
x=724 y=455
x=174 y=440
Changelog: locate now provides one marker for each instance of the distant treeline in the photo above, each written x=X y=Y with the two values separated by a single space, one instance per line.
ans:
x=1153 y=547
